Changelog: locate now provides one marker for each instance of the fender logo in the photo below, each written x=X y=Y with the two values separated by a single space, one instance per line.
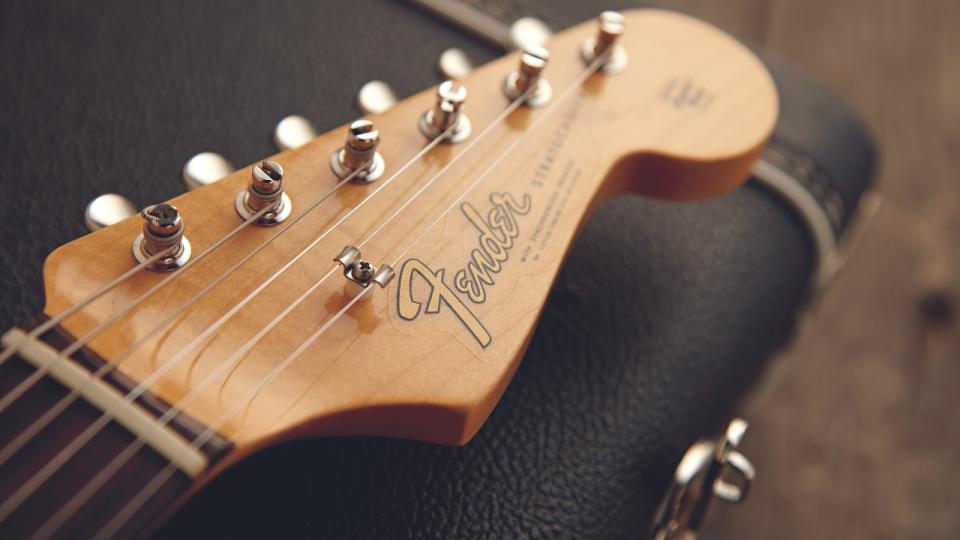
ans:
x=497 y=234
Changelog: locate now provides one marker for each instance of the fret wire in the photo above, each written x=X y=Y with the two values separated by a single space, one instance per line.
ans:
x=140 y=499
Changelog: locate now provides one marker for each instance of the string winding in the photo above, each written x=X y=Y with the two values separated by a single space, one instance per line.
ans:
x=41 y=476
x=157 y=482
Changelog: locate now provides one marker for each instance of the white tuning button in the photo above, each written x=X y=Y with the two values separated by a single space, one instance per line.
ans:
x=205 y=168
x=454 y=64
x=376 y=97
x=106 y=210
x=293 y=132
x=529 y=32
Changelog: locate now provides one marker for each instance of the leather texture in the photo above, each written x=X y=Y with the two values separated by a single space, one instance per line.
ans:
x=663 y=317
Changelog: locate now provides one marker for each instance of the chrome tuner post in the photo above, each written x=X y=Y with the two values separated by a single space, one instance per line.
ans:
x=359 y=153
x=707 y=470
x=162 y=231
x=265 y=191
x=360 y=273
x=527 y=78
x=611 y=27
x=447 y=113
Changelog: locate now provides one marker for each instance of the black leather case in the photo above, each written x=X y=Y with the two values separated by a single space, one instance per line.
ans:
x=695 y=297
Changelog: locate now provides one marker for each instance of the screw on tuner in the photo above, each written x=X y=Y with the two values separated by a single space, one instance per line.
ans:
x=611 y=27
x=265 y=191
x=162 y=232
x=527 y=79
x=359 y=156
x=446 y=116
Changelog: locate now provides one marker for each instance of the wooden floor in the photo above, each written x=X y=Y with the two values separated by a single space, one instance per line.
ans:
x=856 y=432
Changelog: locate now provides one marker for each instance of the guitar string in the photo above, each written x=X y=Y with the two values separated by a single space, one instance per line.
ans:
x=8 y=352
x=27 y=434
x=143 y=496
x=14 y=501
x=24 y=385
x=66 y=453
x=128 y=453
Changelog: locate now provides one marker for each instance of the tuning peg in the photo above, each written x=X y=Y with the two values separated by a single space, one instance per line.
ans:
x=454 y=64
x=610 y=27
x=106 y=210
x=163 y=228
x=527 y=78
x=265 y=190
x=446 y=114
x=205 y=168
x=376 y=97
x=529 y=32
x=359 y=152
x=292 y=132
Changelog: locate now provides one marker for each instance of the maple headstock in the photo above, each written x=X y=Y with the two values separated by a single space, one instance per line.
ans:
x=428 y=356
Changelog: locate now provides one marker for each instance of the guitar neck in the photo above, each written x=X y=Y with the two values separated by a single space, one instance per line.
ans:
x=155 y=452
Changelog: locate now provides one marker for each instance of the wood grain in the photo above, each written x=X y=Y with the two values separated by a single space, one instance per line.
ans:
x=429 y=375
x=855 y=434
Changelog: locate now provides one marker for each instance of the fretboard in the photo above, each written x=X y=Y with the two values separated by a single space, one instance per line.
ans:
x=159 y=460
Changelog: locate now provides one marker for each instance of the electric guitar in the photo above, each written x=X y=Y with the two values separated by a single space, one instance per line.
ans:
x=383 y=279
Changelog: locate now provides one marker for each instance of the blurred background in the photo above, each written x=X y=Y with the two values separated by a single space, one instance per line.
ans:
x=856 y=429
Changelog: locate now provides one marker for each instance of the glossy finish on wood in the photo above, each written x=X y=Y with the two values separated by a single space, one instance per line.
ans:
x=399 y=365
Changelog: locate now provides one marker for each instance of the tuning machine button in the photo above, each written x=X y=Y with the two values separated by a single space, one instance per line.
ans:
x=454 y=64
x=527 y=79
x=376 y=97
x=292 y=132
x=106 y=210
x=162 y=231
x=446 y=114
x=529 y=31
x=265 y=190
x=611 y=25
x=205 y=168
x=359 y=153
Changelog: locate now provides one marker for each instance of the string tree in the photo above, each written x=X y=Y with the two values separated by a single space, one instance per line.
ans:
x=610 y=26
x=163 y=229
x=446 y=114
x=361 y=273
x=265 y=190
x=528 y=78
x=359 y=153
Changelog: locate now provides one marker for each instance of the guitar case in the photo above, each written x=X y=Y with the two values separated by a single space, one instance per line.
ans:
x=662 y=319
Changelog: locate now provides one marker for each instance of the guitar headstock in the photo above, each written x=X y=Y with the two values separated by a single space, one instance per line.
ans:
x=474 y=231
